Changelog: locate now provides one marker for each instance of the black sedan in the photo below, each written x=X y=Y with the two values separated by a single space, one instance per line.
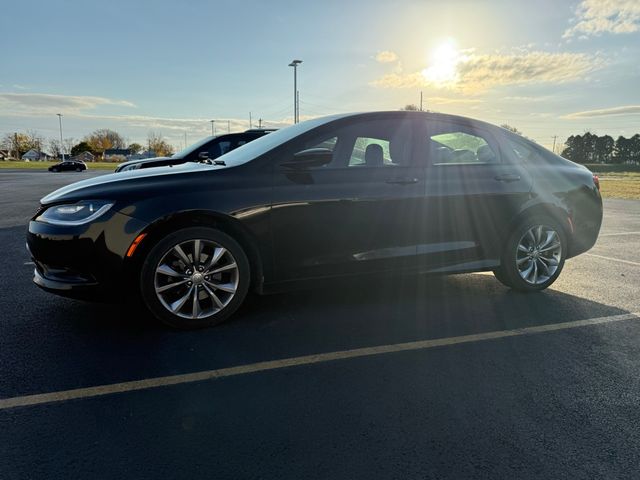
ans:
x=68 y=166
x=206 y=150
x=337 y=196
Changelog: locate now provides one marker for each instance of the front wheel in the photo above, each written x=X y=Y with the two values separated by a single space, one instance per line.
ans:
x=534 y=255
x=194 y=278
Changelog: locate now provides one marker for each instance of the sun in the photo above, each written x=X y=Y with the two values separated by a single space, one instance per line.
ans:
x=443 y=65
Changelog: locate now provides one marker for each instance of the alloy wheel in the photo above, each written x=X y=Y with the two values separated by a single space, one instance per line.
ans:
x=538 y=254
x=196 y=279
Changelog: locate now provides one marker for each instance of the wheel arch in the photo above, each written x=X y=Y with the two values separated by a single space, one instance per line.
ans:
x=555 y=212
x=200 y=218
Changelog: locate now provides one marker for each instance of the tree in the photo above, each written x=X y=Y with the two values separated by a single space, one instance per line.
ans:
x=54 y=147
x=81 y=147
x=159 y=145
x=506 y=126
x=135 y=147
x=21 y=143
x=103 y=139
x=410 y=107
x=604 y=149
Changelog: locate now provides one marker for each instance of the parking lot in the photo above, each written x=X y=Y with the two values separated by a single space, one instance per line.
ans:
x=402 y=377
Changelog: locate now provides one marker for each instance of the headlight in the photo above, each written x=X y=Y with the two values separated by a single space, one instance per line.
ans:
x=76 y=213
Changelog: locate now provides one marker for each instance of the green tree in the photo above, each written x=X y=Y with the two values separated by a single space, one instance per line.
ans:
x=135 y=147
x=604 y=148
x=81 y=147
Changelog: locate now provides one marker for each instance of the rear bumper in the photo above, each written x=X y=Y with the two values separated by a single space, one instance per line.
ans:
x=586 y=222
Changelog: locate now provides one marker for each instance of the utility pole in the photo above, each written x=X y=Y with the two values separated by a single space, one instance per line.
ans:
x=420 y=100
x=250 y=121
x=15 y=144
x=61 y=144
x=228 y=126
x=259 y=123
x=185 y=139
x=294 y=64
x=213 y=127
x=554 y=144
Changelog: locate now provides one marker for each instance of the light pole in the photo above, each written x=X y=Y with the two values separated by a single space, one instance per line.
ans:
x=213 y=127
x=61 y=144
x=296 y=108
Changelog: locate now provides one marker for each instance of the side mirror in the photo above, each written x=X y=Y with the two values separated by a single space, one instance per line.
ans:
x=203 y=155
x=312 y=157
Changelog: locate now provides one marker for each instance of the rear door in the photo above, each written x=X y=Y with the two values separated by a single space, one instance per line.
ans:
x=472 y=192
x=358 y=213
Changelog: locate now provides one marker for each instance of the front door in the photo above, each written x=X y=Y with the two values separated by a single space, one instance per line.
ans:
x=357 y=213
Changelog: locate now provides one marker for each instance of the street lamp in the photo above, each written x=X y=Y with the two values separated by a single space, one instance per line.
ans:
x=61 y=144
x=296 y=106
x=213 y=127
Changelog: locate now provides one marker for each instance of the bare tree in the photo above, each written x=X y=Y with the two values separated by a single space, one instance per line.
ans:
x=158 y=144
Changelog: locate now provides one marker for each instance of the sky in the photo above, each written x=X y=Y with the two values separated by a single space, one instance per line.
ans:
x=547 y=67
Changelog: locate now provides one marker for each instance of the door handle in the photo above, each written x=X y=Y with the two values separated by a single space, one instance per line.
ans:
x=402 y=181
x=508 y=177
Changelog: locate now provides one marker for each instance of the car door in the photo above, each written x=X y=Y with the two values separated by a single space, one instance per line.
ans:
x=354 y=215
x=472 y=190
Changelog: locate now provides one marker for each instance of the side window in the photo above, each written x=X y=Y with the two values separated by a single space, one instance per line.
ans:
x=217 y=149
x=457 y=145
x=370 y=143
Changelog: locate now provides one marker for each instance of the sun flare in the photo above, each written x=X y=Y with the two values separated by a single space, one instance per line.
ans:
x=443 y=64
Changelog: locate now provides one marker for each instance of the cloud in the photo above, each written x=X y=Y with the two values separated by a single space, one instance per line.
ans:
x=479 y=72
x=594 y=17
x=386 y=56
x=606 y=112
x=449 y=101
x=46 y=104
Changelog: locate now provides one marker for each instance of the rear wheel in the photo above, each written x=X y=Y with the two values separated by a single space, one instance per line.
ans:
x=534 y=255
x=195 y=278
x=78 y=169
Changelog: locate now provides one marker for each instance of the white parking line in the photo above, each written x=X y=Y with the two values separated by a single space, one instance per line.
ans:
x=145 y=384
x=628 y=262
x=617 y=234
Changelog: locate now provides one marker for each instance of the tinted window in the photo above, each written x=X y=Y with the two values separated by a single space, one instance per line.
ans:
x=371 y=143
x=452 y=144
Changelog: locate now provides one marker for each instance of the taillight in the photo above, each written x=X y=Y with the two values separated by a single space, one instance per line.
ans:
x=596 y=182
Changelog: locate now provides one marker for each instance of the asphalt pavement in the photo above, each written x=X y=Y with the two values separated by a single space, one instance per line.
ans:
x=400 y=377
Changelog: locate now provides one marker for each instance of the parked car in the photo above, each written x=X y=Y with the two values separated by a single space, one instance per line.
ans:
x=343 y=195
x=205 y=150
x=68 y=166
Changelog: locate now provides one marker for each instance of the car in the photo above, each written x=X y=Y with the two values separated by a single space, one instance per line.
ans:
x=206 y=150
x=339 y=196
x=68 y=166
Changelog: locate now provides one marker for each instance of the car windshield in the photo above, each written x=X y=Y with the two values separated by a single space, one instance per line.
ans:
x=264 y=144
x=192 y=148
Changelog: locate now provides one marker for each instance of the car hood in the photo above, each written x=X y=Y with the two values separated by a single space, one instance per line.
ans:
x=98 y=186
x=144 y=160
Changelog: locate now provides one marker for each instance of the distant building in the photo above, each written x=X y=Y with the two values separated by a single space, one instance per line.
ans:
x=84 y=157
x=35 y=155
x=114 y=154
x=140 y=156
x=4 y=154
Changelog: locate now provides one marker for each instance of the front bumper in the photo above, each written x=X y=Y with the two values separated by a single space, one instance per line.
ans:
x=86 y=262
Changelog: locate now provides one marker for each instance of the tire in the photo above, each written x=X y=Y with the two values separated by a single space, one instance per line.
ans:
x=78 y=169
x=54 y=170
x=217 y=294
x=533 y=256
